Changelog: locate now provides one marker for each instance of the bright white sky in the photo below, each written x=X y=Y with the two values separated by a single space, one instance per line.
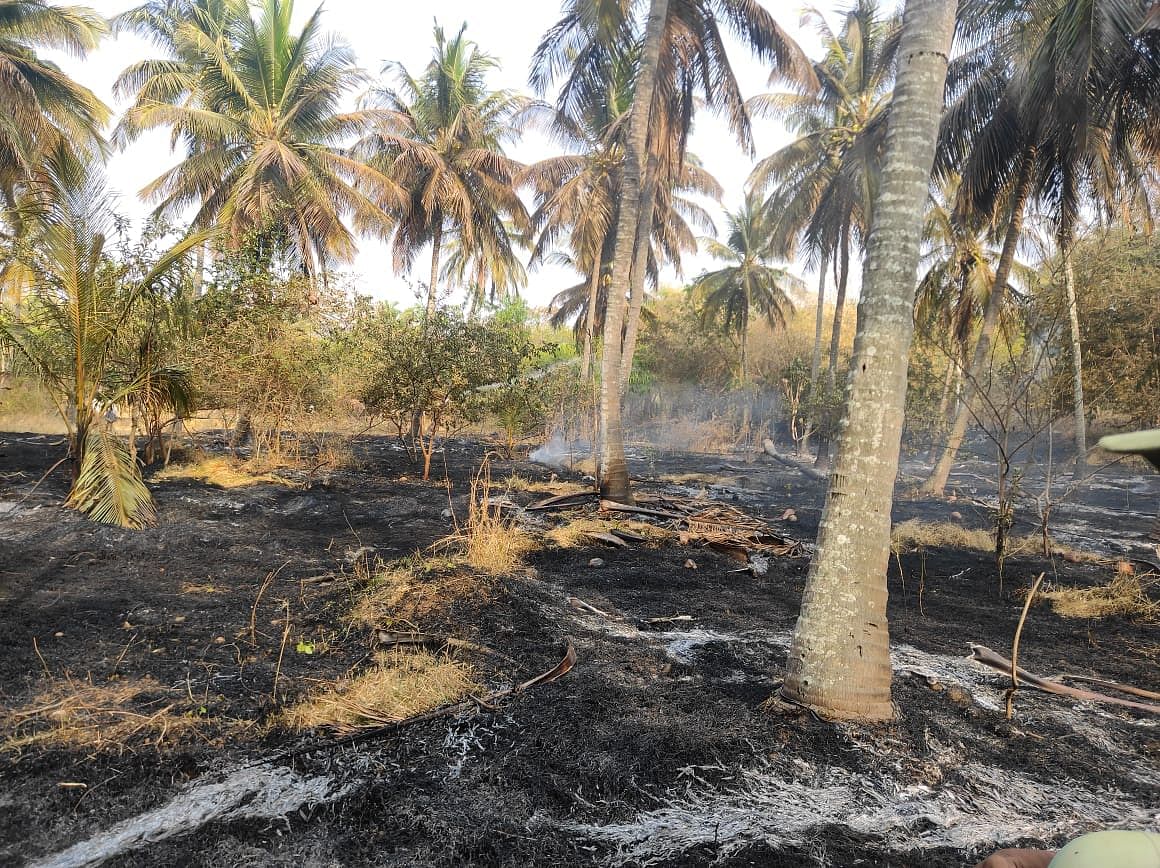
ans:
x=402 y=31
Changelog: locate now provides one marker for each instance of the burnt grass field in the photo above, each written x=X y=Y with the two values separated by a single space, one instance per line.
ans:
x=142 y=677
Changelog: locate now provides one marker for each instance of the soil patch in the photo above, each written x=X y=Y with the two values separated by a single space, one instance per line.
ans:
x=655 y=749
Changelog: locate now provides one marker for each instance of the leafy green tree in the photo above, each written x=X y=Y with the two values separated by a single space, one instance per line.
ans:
x=66 y=336
x=439 y=138
x=447 y=367
x=748 y=284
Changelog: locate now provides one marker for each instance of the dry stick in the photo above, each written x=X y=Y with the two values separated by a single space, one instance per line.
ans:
x=1015 y=646
x=1113 y=685
x=40 y=656
x=983 y=654
x=281 y=648
x=254 y=609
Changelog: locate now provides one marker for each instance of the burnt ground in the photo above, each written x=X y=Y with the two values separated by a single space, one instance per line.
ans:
x=655 y=749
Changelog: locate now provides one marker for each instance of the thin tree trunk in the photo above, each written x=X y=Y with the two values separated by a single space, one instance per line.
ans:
x=936 y=483
x=590 y=319
x=839 y=661
x=639 y=271
x=1065 y=248
x=614 y=483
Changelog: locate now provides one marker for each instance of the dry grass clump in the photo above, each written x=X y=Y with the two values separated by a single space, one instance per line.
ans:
x=489 y=542
x=408 y=592
x=925 y=534
x=123 y=715
x=1126 y=594
x=576 y=533
x=220 y=471
x=398 y=686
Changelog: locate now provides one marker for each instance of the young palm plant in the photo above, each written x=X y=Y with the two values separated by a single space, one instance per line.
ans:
x=65 y=336
x=748 y=284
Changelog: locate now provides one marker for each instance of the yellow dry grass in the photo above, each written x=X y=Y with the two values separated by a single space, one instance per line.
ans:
x=1126 y=594
x=399 y=685
x=122 y=714
x=409 y=592
x=220 y=471
x=915 y=534
x=576 y=533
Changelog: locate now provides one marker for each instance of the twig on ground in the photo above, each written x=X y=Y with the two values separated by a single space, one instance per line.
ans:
x=1015 y=646
x=987 y=657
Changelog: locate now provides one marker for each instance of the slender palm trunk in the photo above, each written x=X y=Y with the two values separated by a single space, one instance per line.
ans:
x=816 y=359
x=1065 y=248
x=432 y=291
x=590 y=318
x=839 y=304
x=825 y=444
x=639 y=271
x=614 y=483
x=936 y=483
x=839 y=661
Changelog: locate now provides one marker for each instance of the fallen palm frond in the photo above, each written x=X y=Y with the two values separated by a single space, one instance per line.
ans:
x=121 y=715
x=398 y=686
x=579 y=532
x=1126 y=594
x=717 y=525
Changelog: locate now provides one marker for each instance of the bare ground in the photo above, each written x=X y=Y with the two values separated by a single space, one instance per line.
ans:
x=655 y=749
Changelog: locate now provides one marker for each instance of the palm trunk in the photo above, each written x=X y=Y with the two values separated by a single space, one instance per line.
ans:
x=590 y=319
x=937 y=481
x=822 y=462
x=432 y=292
x=816 y=359
x=1065 y=248
x=639 y=272
x=839 y=661
x=614 y=483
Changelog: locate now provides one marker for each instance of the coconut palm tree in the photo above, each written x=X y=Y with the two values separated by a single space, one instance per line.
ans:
x=748 y=284
x=825 y=181
x=258 y=110
x=1059 y=105
x=839 y=660
x=44 y=109
x=577 y=198
x=440 y=138
x=682 y=56
x=81 y=302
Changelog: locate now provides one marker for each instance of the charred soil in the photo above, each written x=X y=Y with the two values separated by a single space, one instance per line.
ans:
x=140 y=668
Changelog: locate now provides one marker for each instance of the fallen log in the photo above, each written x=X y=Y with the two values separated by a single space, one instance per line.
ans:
x=987 y=657
x=769 y=449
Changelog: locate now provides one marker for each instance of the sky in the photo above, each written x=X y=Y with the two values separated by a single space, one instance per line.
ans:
x=391 y=30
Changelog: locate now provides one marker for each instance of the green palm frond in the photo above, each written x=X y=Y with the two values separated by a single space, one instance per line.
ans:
x=109 y=487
